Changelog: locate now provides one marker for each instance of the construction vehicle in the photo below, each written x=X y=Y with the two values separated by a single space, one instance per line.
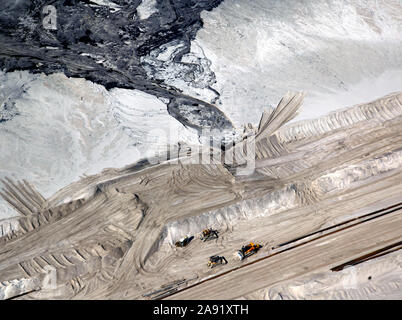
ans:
x=248 y=250
x=209 y=234
x=183 y=241
x=216 y=260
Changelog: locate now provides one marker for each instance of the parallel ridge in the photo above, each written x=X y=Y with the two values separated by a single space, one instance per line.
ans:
x=8 y=226
x=18 y=226
x=80 y=264
x=351 y=131
x=383 y=109
x=349 y=146
x=22 y=196
x=286 y=110
x=267 y=145
x=280 y=151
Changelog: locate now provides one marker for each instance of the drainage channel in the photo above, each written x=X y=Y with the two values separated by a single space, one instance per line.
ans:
x=357 y=220
x=372 y=255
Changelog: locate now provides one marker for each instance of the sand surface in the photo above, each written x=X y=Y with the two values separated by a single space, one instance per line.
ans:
x=111 y=235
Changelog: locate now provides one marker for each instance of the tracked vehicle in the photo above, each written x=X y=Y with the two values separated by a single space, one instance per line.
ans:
x=209 y=234
x=216 y=260
x=248 y=250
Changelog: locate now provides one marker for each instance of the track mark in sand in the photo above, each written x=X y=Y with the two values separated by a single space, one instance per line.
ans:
x=118 y=221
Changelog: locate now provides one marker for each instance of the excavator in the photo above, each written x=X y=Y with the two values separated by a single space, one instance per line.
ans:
x=216 y=260
x=248 y=250
x=209 y=234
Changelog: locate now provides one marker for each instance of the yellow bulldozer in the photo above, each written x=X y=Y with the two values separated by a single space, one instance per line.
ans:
x=248 y=250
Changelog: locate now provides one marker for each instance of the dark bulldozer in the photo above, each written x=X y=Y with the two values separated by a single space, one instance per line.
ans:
x=216 y=260
x=209 y=234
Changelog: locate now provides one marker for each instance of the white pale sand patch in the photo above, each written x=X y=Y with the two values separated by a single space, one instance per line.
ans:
x=339 y=52
x=146 y=9
x=371 y=88
x=9 y=289
x=70 y=127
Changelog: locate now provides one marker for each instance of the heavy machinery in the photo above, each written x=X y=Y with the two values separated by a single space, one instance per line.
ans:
x=248 y=250
x=183 y=241
x=209 y=234
x=216 y=260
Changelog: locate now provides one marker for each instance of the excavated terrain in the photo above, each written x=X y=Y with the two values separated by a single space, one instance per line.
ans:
x=126 y=125
x=324 y=192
